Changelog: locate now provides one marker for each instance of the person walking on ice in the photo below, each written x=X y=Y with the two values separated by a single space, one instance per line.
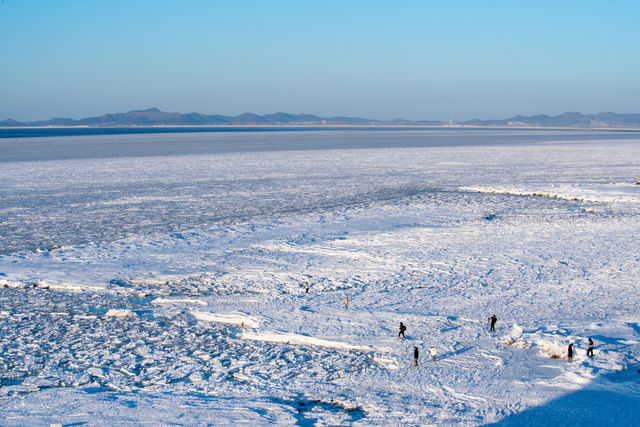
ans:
x=493 y=319
x=402 y=329
x=590 y=349
x=346 y=303
x=570 y=353
x=433 y=353
x=306 y=287
x=415 y=356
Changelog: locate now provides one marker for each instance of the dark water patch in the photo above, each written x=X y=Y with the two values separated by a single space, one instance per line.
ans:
x=106 y=131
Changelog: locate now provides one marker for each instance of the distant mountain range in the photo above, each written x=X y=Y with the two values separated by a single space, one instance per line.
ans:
x=155 y=117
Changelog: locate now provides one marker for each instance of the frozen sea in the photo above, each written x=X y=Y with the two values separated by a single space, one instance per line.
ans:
x=176 y=294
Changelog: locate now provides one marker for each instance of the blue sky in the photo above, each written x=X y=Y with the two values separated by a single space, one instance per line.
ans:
x=436 y=60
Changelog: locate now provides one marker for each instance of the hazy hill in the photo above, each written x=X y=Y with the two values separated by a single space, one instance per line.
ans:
x=565 y=120
x=292 y=118
x=10 y=123
x=155 y=117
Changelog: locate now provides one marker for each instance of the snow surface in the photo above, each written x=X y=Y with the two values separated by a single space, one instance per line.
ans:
x=212 y=325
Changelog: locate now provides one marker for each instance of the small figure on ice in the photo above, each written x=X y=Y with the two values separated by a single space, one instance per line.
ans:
x=570 y=353
x=492 y=320
x=433 y=353
x=415 y=355
x=306 y=287
x=346 y=303
x=402 y=329
x=590 y=349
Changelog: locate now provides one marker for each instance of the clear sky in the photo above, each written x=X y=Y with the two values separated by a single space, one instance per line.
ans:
x=441 y=60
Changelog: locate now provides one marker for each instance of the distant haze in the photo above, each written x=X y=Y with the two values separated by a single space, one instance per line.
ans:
x=381 y=60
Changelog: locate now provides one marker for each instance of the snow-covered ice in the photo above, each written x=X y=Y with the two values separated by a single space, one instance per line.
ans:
x=199 y=315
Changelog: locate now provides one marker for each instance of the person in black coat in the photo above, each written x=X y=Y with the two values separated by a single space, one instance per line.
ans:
x=493 y=319
x=570 y=353
x=402 y=329
x=415 y=356
x=590 y=349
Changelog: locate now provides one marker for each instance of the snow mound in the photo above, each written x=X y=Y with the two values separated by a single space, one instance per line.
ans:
x=177 y=301
x=8 y=284
x=231 y=319
x=295 y=339
x=515 y=338
x=516 y=330
x=553 y=349
x=591 y=195
x=122 y=312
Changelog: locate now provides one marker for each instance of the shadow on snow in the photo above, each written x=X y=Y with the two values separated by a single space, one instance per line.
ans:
x=610 y=400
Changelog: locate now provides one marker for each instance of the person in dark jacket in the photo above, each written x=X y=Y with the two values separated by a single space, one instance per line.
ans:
x=570 y=353
x=590 y=349
x=493 y=319
x=402 y=329
x=415 y=356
